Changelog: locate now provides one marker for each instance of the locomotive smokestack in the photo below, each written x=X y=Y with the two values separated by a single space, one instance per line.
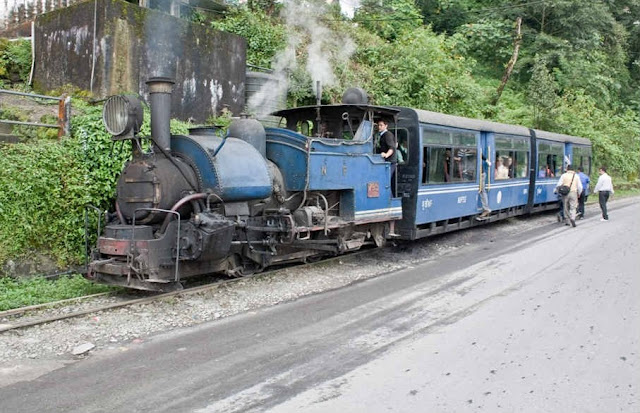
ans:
x=160 y=89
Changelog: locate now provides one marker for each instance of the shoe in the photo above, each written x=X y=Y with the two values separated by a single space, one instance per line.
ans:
x=603 y=220
x=566 y=223
x=485 y=213
x=573 y=222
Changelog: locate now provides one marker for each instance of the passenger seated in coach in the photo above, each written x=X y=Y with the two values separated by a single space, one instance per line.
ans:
x=501 y=171
x=447 y=165
x=550 y=173
x=508 y=163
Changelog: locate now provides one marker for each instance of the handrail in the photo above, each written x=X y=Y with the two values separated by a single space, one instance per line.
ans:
x=86 y=231
x=64 y=112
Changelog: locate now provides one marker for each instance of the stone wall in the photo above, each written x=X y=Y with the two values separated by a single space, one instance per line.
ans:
x=110 y=47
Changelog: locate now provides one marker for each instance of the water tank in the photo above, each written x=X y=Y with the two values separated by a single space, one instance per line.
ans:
x=234 y=169
x=250 y=131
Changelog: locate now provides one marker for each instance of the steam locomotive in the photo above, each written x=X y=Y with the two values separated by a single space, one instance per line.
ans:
x=315 y=185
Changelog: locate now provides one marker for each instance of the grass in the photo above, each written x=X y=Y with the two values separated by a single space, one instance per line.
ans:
x=38 y=290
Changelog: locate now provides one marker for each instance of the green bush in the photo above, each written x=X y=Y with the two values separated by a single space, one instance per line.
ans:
x=38 y=290
x=15 y=61
x=264 y=36
x=45 y=186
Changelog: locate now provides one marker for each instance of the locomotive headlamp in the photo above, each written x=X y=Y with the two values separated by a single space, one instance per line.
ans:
x=122 y=116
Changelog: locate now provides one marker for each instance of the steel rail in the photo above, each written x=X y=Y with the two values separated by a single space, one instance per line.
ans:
x=35 y=307
x=14 y=326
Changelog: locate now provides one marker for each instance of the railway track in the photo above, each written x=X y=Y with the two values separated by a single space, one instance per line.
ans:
x=19 y=317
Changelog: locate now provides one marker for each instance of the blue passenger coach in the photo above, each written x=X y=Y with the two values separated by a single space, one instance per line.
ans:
x=439 y=179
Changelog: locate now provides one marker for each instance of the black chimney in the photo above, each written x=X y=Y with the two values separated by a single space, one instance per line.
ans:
x=160 y=89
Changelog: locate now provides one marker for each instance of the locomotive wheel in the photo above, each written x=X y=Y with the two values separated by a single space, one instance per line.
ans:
x=171 y=287
x=239 y=267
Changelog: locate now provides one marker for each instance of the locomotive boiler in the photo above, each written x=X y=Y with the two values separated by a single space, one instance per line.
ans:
x=202 y=203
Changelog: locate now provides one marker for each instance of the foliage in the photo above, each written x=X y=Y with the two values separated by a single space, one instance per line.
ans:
x=444 y=16
x=221 y=121
x=15 y=61
x=390 y=19
x=488 y=41
x=422 y=70
x=615 y=136
x=38 y=290
x=41 y=191
x=264 y=36
x=45 y=185
x=542 y=96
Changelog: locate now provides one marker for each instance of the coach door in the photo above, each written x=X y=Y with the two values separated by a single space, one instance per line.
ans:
x=485 y=147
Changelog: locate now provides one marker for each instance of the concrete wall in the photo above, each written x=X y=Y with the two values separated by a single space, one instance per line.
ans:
x=110 y=47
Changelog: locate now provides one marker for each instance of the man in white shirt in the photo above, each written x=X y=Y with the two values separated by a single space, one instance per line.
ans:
x=604 y=189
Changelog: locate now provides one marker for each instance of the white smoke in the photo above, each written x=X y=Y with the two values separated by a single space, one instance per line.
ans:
x=324 y=49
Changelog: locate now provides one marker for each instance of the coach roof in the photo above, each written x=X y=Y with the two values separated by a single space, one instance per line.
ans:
x=442 y=119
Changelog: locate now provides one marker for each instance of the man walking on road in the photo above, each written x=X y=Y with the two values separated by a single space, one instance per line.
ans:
x=570 y=200
x=604 y=188
x=582 y=199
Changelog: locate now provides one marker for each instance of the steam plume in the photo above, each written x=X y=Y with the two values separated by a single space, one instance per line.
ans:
x=324 y=48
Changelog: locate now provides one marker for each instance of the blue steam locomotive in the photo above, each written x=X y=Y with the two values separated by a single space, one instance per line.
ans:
x=316 y=185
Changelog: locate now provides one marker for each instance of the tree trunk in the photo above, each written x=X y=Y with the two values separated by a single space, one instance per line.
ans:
x=512 y=62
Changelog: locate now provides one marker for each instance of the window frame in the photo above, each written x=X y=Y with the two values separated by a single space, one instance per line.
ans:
x=582 y=152
x=510 y=146
x=545 y=150
x=441 y=139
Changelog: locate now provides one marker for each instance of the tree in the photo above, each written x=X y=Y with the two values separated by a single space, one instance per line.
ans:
x=444 y=16
x=514 y=58
x=542 y=96
x=388 y=19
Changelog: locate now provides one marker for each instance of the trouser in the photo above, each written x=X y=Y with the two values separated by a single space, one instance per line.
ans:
x=561 y=212
x=582 y=199
x=485 y=201
x=603 y=197
x=570 y=202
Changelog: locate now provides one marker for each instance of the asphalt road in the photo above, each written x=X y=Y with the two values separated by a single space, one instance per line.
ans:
x=543 y=321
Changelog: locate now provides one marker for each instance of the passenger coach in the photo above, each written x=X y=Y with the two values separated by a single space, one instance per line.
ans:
x=439 y=175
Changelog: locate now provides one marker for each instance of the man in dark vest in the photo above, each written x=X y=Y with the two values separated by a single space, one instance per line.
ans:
x=388 y=150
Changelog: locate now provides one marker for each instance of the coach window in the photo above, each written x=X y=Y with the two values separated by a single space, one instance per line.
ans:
x=512 y=157
x=550 y=156
x=448 y=156
x=582 y=158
